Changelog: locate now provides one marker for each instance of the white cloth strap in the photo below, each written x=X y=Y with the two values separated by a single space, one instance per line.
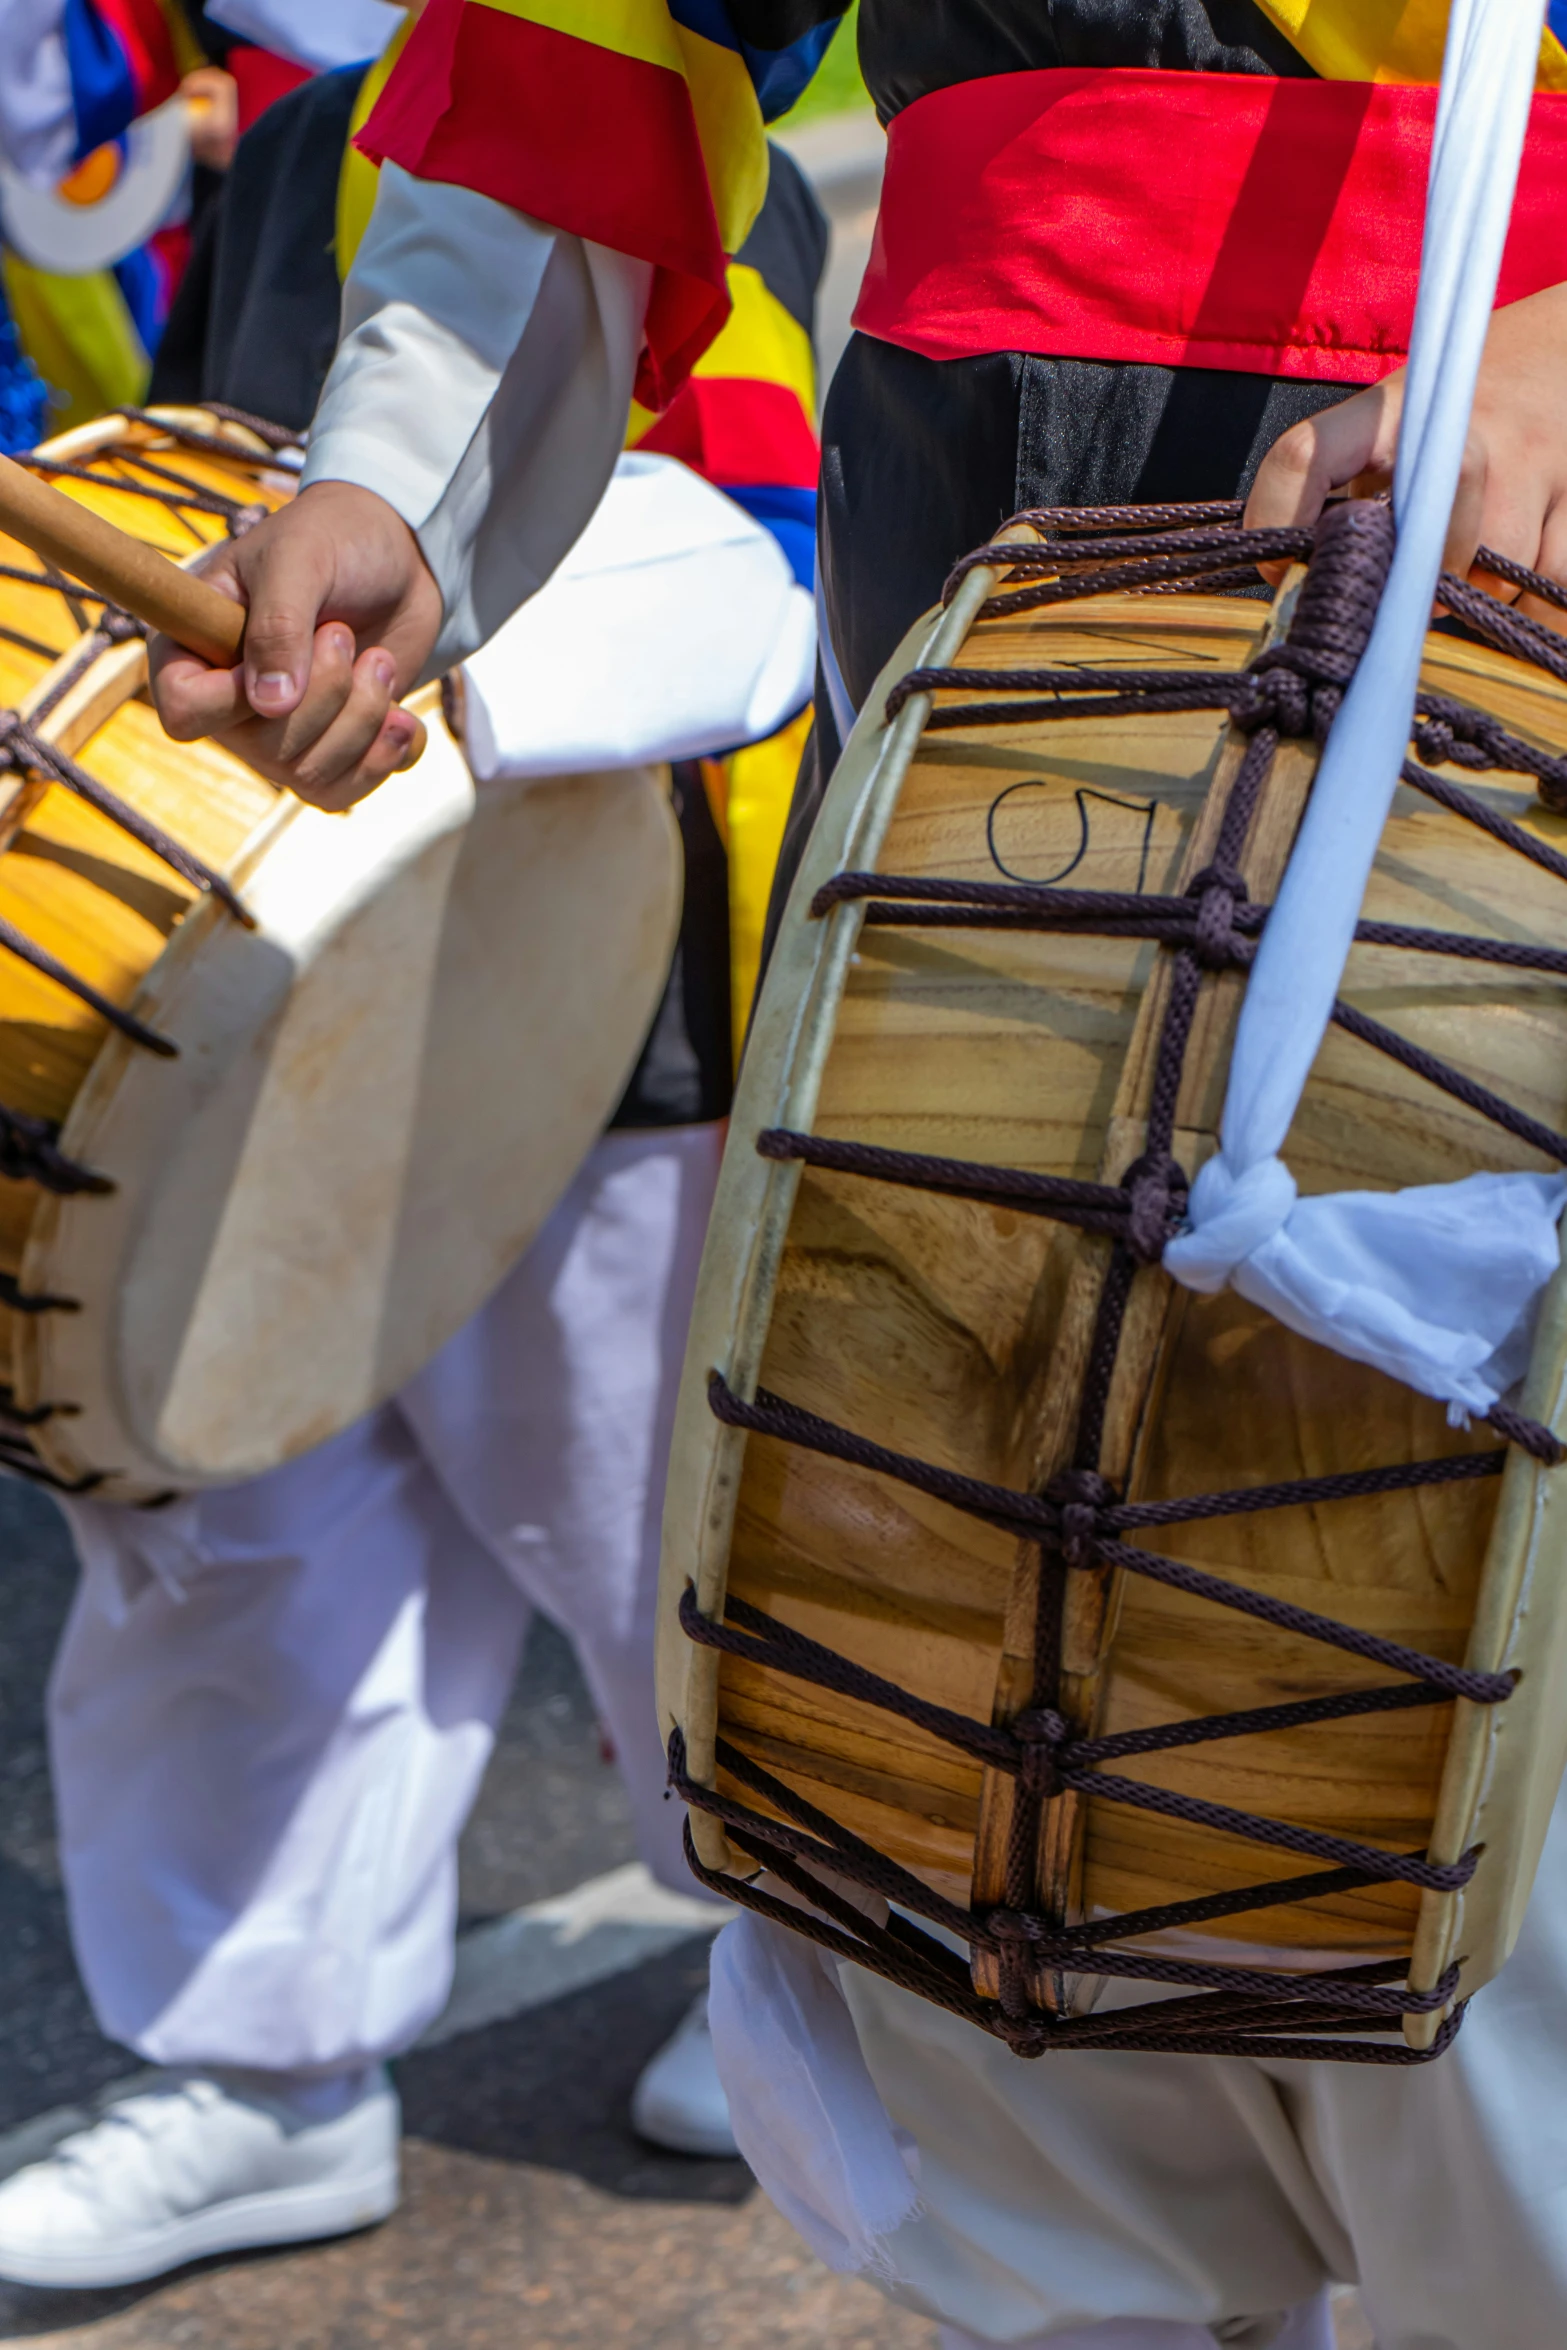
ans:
x=1437 y=1286
x=805 y=2112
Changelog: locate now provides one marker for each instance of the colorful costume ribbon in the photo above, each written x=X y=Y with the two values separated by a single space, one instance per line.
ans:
x=636 y=124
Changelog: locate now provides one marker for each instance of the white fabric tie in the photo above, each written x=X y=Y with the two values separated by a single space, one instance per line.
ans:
x=1232 y=1214
x=804 y=2110
x=1438 y=1286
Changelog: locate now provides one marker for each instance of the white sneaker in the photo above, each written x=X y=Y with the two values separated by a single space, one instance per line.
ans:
x=679 y=2101
x=180 y=2165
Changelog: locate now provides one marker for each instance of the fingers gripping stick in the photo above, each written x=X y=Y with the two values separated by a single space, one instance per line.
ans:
x=167 y=597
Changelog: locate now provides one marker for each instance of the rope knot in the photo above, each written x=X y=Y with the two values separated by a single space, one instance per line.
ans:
x=1435 y=741
x=1155 y=1187
x=1282 y=689
x=1342 y=590
x=1218 y=889
x=1079 y=1495
x=21 y=748
x=1297 y=686
x=29 y=1153
x=1452 y=735
x=1277 y=696
x=1041 y=1733
x=1448 y=733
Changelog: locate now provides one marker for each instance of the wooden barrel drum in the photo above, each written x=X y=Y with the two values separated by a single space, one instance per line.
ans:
x=283 y=1095
x=902 y=1447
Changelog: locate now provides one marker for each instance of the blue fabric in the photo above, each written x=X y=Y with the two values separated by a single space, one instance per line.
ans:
x=791 y=517
x=103 y=87
x=140 y=280
x=777 y=75
x=1556 y=18
x=24 y=396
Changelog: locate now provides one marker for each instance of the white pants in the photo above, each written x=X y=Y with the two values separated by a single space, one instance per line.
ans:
x=274 y=1702
x=1064 y=2193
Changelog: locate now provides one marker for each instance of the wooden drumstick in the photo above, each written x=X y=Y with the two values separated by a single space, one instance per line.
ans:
x=137 y=577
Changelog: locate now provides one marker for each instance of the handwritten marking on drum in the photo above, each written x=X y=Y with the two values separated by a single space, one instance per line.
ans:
x=1086 y=802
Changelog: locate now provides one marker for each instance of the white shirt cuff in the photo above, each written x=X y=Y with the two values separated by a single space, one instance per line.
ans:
x=482 y=388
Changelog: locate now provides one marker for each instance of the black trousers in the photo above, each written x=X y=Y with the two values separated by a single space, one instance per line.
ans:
x=923 y=459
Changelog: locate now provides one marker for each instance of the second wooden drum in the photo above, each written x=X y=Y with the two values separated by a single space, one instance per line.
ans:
x=947 y=1337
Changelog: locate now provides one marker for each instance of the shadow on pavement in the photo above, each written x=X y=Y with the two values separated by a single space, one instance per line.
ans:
x=553 y=2088
x=51 y=2051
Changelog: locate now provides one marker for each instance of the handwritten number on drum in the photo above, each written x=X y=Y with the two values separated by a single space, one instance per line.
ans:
x=1083 y=793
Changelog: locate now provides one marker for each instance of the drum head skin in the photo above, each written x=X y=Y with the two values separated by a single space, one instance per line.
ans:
x=380 y=1092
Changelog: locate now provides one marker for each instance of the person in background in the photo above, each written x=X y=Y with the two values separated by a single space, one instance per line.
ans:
x=262 y=1894
x=87 y=286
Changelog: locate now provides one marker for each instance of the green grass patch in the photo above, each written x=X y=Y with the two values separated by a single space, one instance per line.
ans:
x=836 y=85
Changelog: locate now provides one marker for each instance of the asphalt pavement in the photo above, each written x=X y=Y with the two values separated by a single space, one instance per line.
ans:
x=533 y=2219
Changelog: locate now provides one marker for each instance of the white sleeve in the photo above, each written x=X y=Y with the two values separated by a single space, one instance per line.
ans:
x=37 y=110
x=481 y=387
x=346 y=33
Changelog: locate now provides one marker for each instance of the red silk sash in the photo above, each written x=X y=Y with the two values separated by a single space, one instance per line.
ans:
x=1195 y=220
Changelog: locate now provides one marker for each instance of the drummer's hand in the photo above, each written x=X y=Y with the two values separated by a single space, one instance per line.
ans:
x=343 y=613
x=1512 y=495
x=214 y=115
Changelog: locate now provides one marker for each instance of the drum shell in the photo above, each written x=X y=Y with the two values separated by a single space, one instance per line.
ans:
x=931 y=1598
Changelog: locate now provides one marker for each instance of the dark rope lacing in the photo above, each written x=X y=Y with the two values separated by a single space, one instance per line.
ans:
x=276 y=436
x=1079 y=1523
x=29 y=1146
x=195 y=497
x=24 y=750
x=166 y=484
x=30 y=1153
